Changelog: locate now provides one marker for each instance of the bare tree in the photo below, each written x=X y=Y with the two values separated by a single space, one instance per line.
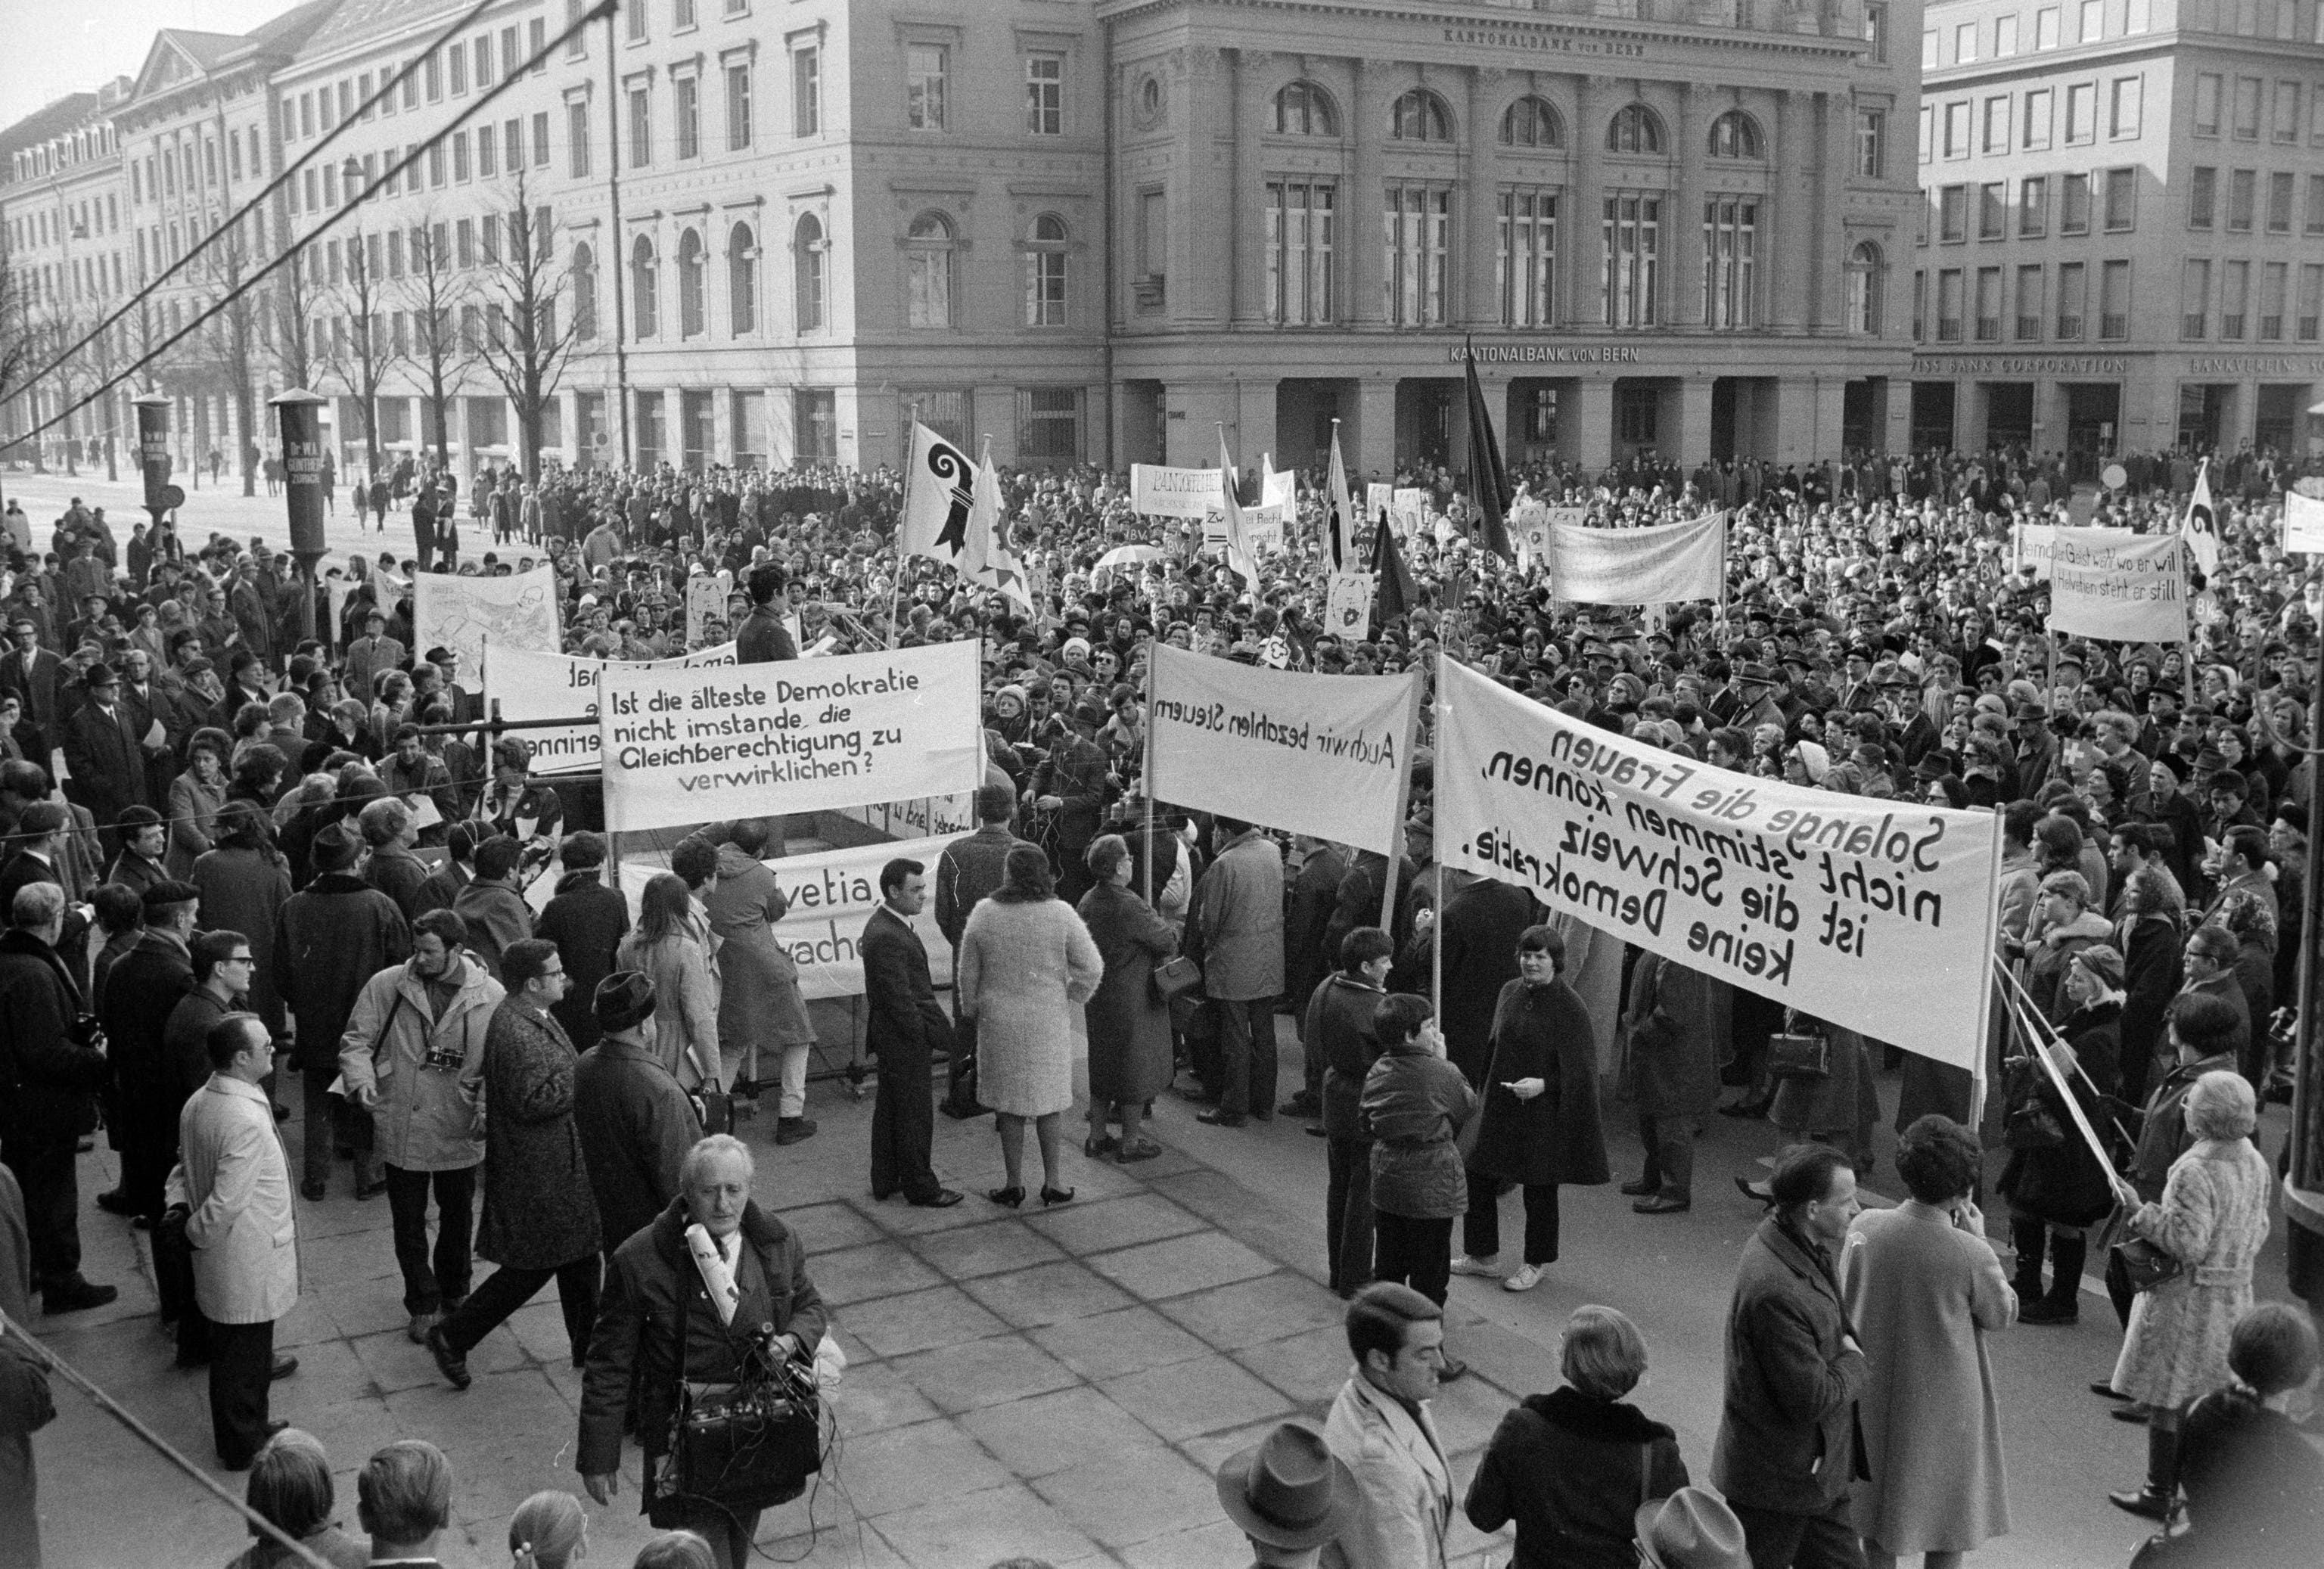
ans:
x=527 y=339
x=233 y=335
x=362 y=354
x=444 y=326
x=295 y=302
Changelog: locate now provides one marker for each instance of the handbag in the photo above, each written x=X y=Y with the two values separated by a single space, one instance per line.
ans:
x=2030 y=1125
x=714 y=1108
x=1176 y=977
x=735 y=1447
x=1794 y=1054
x=2144 y=1265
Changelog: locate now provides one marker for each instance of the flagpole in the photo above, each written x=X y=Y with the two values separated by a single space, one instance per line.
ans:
x=1153 y=900
x=1436 y=931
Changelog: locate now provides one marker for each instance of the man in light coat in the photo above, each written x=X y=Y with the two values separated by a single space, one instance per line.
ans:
x=233 y=1180
x=1239 y=913
x=1379 y=1426
x=413 y=1057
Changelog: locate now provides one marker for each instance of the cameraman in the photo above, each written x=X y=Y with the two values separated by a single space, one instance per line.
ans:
x=655 y=1285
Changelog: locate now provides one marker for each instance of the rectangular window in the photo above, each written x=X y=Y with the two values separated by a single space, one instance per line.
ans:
x=1928 y=131
x=2194 y=297
x=306 y=114
x=681 y=15
x=2313 y=221
x=1948 y=305
x=2082 y=113
x=2114 y=300
x=1952 y=213
x=2004 y=36
x=2206 y=104
x=1630 y=274
x=2279 y=204
x=1300 y=220
x=1049 y=425
x=576 y=135
x=2093 y=21
x=484 y=54
x=487 y=153
x=577 y=47
x=1957 y=128
x=2074 y=206
x=636 y=22
x=2135 y=16
x=2045 y=27
x=455 y=60
x=464 y=244
x=687 y=93
x=510 y=60
x=2123 y=110
x=436 y=166
x=2034 y=206
x=1526 y=267
x=2029 y=303
x=2287 y=112
x=1045 y=95
x=2072 y=286
x=1988 y=305
x=2242 y=185
x=2311 y=301
x=1929 y=49
x=460 y=156
x=2235 y=300
x=1965 y=43
x=488 y=242
x=411 y=90
x=513 y=141
x=432 y=71
x=539 y=138
x=640 y=128
x=2036 y=134
x=2248 y=109
x=1872 y=143
x=1992 y=211
x=1416 y=227
x=1920 y=307
x=1730 y=263
x=923 y=87
x=2202 y=195
x=1876 y=32
x=2121 y=200
x=738 y=107
x=2272 y=278
x=807 y=93
x=1994 y=138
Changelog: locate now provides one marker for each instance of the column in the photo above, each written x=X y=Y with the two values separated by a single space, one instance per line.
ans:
x=1190 y=426
x=1246 y=208
x=1369 y=447
x=1480 y=200
x=1787 y=226
x=992 y=411
x=1971 y=406
x=1794 y=421
x=1250 y=429
x=1827 y=302
x=1210 y=105
x=1693 y=423
x=2049 y=416
x=782 y=428
x=1580 y=249
x=1360 y=206
x=1585 y=423
x=1687 y=251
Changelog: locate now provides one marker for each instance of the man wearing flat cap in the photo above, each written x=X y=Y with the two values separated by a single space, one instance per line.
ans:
x=141 y=989
x=636 y=1123
x=1289 y=1495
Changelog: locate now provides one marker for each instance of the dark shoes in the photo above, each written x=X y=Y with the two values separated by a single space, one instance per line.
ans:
x=1302 y=1104
x=117 y=1203
x=1094 y=1145
x=370 y=1190
x=452 y=1365
x=313 y=1190
x=1662 y=1204
x=2147 y=1503
x=2136 y=1413
x=284 y=1368
x=2104 y=1388
x=77 y=1294
x=2050 y=1310
x=1454 y=1367
x=1010 y=1196
x=1640 y=1189
x=794 y=1130
x=1142 y=1150
x=1759 y=1191
x=1051 y=1196
x=943 y=1198
x=1747 y=1108
x=1217 y=1118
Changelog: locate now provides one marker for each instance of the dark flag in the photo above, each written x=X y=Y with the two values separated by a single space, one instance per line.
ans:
x=1392 y=586
x=1486 y=476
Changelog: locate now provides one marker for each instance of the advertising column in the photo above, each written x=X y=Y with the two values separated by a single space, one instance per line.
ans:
x=300 y=412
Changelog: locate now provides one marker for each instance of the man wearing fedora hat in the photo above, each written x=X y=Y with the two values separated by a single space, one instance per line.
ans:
x=1289 y=1495
x=636 y=1124
x=1692 y=1528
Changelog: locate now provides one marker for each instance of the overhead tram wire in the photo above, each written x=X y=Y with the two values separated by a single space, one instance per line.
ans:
x=604 y=9
x=386 y=90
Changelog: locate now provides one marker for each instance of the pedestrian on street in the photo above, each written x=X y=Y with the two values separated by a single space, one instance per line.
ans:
x=1025 y=961
x=1380 y=1427
x=244 y=884
x=967 y=873
x=492 y=903
x=1415 y=1104
x=1478 y=934
x=1237 y=914
x=1926 y=1290
x=141 y=989
x=760 y=1008
x=586 y=921
x=1675 y=1034
x=46 y=1054
x=1338 y=1027
x=1790 y=1446
x=222 y=966
x=636 y=1124
x=1537 y=1114
x=1574 y=1467
x=903 y=1029
x=669 y=946
x=540 y=1218
x=413 y=1059
x=1307 y=963
x=232 y=1182
x=1130 y=1047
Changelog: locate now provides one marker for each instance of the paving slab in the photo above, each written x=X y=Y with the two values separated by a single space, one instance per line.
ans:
x=1178 y=1265
x=895 y=1325
x=1127 y=1340
x=1047 y=1294
x=1201 y=1396
x=985 y=1528
x=983 y=1372
x=1057 y=1431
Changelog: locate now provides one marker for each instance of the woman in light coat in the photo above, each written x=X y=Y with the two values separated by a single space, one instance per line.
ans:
x=1025 y=960
x=686 y=998
x=1924 y=1289
x=2212 y=1219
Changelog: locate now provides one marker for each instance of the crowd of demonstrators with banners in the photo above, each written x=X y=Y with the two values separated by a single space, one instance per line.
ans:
x=1598 y=791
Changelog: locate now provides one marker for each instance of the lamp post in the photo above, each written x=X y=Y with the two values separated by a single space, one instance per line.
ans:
x=300 y=412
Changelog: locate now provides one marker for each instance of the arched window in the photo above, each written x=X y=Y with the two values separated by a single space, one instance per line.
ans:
x=807 y=263
x=927 y=271
x=1864 y=290
x=743 y=279
x=1634 y=128
x=1045 y=273
x=642 y=286
x=689 y=284
x=585 y=292
x=1735 y=134
x=1419 y=116
x=1532 y=123
x=1304 y=109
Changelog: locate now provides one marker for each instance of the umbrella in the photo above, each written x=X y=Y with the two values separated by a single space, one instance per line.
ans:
x=1128 y=558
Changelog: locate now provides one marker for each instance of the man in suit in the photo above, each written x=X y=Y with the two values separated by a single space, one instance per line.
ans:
x=140 y=991
x=103 y=751
x=1314 y=894
x=33 y=673
x=251 y=602
x=904 y=1030
x=233 y=1183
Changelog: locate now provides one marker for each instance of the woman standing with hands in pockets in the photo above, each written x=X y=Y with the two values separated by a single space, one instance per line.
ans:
x=1538 y=1123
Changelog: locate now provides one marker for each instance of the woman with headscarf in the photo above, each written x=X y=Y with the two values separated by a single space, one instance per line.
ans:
x=1129 y=1041
x=196 y=797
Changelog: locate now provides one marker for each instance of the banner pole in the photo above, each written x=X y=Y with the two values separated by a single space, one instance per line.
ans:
x=1146 y=873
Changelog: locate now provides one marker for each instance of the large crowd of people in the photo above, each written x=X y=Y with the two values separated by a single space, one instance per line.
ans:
x=245 y=835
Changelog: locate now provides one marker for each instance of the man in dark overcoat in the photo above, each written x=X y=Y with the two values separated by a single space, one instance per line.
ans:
x=904 y=1030
x=141 y=989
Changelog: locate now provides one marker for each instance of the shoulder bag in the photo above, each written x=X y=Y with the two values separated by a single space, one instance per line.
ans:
x=2146 y=1265
x=735 y=1447
x=1795 y=1055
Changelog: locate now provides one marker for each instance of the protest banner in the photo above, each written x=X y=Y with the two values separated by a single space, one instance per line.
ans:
x=2030 y=545
x=690 y=745
x=1378 y=499
x=944 y=817
x=1173 y=493
x=2112 y=583
x=1529 y=527
x=1279 y=487
x=2304 y=523
x=529 y=684
x=705 y=603
x=461 y=613
x=1876 y=915
x=1409 y=510
x=1348 y=612
x=1314 y=754
x=1661 y=565
x=1263 y=526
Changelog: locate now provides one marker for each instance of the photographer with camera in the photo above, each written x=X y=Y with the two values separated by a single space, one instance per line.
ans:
x=694 y=1354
